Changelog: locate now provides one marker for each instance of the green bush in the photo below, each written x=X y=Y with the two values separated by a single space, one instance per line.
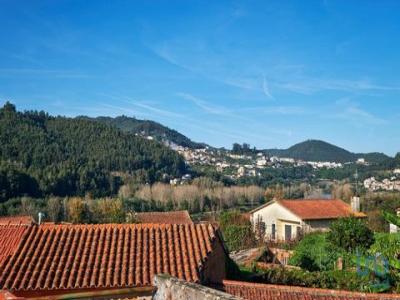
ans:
x=233 y=217
x=314 y=253
x=342 y=280
x=238 y=237
x=350 y=234
x=386 y=244
x=237 y=230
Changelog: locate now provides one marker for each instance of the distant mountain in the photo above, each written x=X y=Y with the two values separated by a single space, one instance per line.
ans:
x=149 y=128
x=316 y=150
x=310 y=150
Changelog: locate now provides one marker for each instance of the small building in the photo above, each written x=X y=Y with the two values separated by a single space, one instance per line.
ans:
x=393 y=228
x=284 y=220
x=361 y=161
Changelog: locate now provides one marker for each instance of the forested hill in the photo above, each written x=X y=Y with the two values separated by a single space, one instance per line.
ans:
x=149 y=128
x=315 y=150
x=43 y=155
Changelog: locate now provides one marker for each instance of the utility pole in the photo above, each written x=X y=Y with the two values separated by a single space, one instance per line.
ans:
x=356 y=178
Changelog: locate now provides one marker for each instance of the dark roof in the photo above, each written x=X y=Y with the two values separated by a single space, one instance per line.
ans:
x=170 y=217
x=258 y=291
x=59 y=257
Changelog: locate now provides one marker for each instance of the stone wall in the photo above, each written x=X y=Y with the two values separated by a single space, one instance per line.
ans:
x=170 y=288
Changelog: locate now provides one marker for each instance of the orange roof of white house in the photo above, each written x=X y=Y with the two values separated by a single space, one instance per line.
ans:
x=317 y=209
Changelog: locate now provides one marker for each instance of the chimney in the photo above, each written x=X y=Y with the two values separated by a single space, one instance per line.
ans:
x=40 y=217
x=355 y=204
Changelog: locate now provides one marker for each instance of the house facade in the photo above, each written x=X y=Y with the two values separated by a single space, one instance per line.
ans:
x=285 y=220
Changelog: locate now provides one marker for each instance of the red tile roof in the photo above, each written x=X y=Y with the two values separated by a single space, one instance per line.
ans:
x=16 y=220
x=316 y=209
x=170 y=217
x=257 y=291
x=10 y=237
x=54 y=257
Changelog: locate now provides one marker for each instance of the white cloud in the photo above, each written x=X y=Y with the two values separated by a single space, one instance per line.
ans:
x=266 y=89
x=311 y=85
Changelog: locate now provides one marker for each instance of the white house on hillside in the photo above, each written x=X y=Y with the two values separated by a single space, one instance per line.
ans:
x=286 y=219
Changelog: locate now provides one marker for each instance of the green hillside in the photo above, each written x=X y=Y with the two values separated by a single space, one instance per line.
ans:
x=149 y=128
x=316 y=150
x=43 y=155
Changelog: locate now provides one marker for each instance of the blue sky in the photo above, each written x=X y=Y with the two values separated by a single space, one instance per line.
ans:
x=270 y=73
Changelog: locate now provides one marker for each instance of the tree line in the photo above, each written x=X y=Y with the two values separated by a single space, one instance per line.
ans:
x=41 y=155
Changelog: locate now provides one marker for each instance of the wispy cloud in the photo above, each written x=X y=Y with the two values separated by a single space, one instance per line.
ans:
x=311 y=85
x=360 y=116
x=159 y=111
x=266 y=89
x=278 y=110
x=124 y=110
x=351 y=111
x=24 y=58
x=243 y=83
x=143 y=105
x=11 y=72
x=288 y=77
x=204 y=105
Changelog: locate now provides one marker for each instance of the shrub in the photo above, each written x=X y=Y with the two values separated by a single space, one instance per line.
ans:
x=350 y=234
x=342 y=280
x=386 y=244
x=233 y=217
x=238 y=237
x=237 y=230
x=314 y=253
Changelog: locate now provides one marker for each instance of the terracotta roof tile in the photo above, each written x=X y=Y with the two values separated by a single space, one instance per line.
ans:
x=308 y=209
x=170 y=217
x=10 y=237
x=16 y=220
x=52 y=257
x=257 y=291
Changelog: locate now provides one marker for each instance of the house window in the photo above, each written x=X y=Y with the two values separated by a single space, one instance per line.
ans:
x=273 y=232
x=288 y=232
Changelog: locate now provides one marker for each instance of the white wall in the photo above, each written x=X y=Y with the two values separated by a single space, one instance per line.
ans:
x=276 y=214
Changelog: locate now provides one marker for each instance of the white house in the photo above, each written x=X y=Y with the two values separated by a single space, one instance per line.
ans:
x=287 y=219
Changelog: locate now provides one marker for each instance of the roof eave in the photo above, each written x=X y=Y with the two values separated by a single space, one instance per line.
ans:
x=262 y=206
